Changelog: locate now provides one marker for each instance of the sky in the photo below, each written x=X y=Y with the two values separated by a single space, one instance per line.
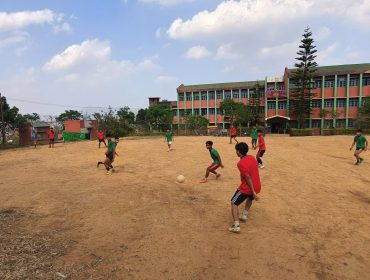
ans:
x=92 y=54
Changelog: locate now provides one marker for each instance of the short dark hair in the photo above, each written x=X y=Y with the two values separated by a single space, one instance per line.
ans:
x=359 y=130
x=209 y=142
x=116 y=137
x=242 y=148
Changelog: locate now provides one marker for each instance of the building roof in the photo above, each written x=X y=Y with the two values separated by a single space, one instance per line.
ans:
x=340 y=69
x=40 y=124
x=219 y=86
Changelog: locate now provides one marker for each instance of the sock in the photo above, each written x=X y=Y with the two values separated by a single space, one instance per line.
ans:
x=245 y=212
x=236 y=223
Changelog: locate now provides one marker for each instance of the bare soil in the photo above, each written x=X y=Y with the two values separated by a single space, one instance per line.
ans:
x=62 y=218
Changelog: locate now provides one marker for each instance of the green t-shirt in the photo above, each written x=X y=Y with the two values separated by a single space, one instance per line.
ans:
x=254 y=133
x=215 y=156
x=360 y=141
x=169 y=136
x=111 y=146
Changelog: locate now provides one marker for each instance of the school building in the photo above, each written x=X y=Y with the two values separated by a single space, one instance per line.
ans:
x=338 y=93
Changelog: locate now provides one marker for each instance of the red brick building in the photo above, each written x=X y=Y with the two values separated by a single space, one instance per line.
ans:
x=89 y=128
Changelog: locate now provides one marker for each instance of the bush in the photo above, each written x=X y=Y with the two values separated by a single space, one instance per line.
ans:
x=342 y=131
x=301 y=132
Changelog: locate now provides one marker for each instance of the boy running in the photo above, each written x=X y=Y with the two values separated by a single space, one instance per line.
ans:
x=261 y=148
x=254 y=137
x=101 y=138
x=216 y=162
x=51 y=137
x=111 y=151
x=233 y=133
x=169 y=137
x=361 y=145
x=249 y=188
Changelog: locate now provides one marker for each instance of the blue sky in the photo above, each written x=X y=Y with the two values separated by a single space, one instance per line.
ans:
x=93 y=53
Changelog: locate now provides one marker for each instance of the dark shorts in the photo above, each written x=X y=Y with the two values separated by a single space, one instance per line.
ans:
x=360 y=149
x=233 y=136
x=239 y=197
x=254 y=141
x=213 y=167
x=260 y=153
x=51 y=140
x=110 y=155
x=101 y=140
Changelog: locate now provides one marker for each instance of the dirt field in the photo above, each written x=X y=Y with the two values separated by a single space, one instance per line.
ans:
x=62 y=218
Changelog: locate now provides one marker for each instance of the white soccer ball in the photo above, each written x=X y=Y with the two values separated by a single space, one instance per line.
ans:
x=181 y=178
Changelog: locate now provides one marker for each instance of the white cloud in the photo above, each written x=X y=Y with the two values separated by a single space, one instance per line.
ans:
x=167 y=3
x=21 y=20
x=248 y=16
x=324 y=33
x=197 y=52
x=167 y=79
x=227 y=52
x=14 y=39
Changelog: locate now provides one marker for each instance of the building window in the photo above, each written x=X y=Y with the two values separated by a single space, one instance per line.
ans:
x=316 y=123
x=329 y=103
x=204 y=111
x=196 y=112
x=353 y=82
x=211 y=95
x=181 y=113
x=316 y=103
x=204 y=96
x=188 y=96
x=227 y=94
x=235 y=94
x=244 y=93
x=282 y=105
x=280 y=87
x=328 y=123
x=316 y=84
x=353 y=102
x=211 y=111
x=342 y=82
x=181 y=97
x=196 y=95
x=262 y=109
x=329 y=83
x=220 y=95
x=271 y=105
x=341 y=103
x=218 y=111
x=366 y=81
x=350 y=122
x=340 y=123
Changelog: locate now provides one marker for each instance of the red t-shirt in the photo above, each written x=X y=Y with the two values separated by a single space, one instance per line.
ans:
x=100 y=135
x=51 y=134
x=233 y=131
x=248 y=166
x=261 y=139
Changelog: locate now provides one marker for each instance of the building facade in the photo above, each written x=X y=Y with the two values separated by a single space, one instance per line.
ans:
x=338 y=93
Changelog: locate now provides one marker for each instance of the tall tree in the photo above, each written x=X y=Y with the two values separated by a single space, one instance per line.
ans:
x=301 y=79
x=68 y=115
x=34 y=117
x=254 y=104
x=198 y=123
x=230 y=109
x=159 y=117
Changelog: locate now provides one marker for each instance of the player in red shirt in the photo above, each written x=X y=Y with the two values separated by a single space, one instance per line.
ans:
x=51 y=137
x=249 y=188
x=233 y=133
x=101 y=138
x=261 y=148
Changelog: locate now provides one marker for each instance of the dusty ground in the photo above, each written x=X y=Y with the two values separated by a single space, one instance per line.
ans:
x=62 y=218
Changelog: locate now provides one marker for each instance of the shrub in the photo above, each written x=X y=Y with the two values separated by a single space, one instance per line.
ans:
x=301 y=132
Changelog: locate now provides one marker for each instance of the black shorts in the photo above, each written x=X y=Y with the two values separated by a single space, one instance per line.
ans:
x=359 y=149
x=239 y=197
x=260 y=153
x=101 y=140
x=110 y=155
x=51 y=140
x=233 y=136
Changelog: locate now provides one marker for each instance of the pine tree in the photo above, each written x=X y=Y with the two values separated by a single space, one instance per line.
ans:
x=301 y=79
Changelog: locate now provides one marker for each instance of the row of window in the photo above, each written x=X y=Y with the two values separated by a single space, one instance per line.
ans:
x=342 y=82
x=220 y=95
x=281 y=105
x=203 y=111
x=330 y=123
x=341 y=103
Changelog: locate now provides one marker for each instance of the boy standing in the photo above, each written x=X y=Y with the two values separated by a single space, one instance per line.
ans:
x=216 y=162
x=254 y=137
x=261 y=148
x=249 y=188
x=233 y=133
x=361 y=145
x=51 y=137
x=34 y=136
x=169 y=137
x=101 y=138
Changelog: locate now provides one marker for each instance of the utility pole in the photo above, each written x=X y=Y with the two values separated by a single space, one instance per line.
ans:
x=2 y=121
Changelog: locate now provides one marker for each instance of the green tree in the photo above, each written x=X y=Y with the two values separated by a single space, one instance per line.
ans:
x=126 y=115
x=244 y=115
x=141 y=116
x=68 y=115
x=159 y=117
x=34 y=117
x=301 y=80
x=116 y=123
x=254 y=104
x=363 y=119
x=198 y=123
x=230 y=109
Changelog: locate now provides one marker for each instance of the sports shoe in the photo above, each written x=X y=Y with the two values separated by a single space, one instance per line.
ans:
x=261 y=166
x=204 y=181
x=218 y=176
x=243 y=217
x=234 y=229
x=361 y=160
x=357 y=163
x=108 y=173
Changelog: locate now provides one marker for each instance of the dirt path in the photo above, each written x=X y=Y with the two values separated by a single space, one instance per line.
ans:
x=311 y=223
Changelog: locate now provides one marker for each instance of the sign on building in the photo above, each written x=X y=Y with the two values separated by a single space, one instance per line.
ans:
x=275 y=79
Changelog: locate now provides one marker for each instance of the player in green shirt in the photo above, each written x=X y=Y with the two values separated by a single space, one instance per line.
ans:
x=216 y=162
x=110 y=154
x=254 y=135
x=169 y=138
x=361 y=145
